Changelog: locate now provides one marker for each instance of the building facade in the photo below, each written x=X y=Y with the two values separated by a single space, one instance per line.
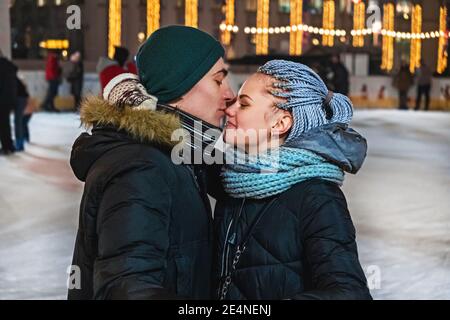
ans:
x=46 y=19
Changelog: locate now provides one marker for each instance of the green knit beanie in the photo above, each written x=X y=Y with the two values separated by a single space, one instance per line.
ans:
x=174 y=58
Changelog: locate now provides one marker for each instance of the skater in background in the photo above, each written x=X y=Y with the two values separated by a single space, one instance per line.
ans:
x=340 y=77
x=403 y=81
x=28 y=113
x=8 y=97
x=424 y=76
x=53 y=73
x=19 y=113
x=108 y=69
x=75 y=78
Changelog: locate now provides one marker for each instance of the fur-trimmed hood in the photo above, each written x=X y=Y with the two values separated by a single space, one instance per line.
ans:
x=113 y=127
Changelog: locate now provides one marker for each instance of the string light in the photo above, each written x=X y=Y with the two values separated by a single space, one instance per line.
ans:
x=153 y=16
x=56 y=44
x=341 y=32
x=442 y=46
x=191 y=13
x=359 y=12
x=262 y=25
x=328 y=22
x=229 y=20
x=416 y=45
x=387 y=56
x=296 y=36
x=114 y=25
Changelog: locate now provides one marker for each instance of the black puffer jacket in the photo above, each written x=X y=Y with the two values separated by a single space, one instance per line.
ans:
x=8 y=85
x=145 y=226
x=299 y=244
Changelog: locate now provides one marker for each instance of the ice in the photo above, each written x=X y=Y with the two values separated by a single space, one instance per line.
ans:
x=39 y=200
x=399 y=202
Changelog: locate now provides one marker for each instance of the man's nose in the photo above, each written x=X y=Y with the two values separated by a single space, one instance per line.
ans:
x=228 y=93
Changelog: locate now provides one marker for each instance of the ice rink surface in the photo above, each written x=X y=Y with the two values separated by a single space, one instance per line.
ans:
x=399 y=201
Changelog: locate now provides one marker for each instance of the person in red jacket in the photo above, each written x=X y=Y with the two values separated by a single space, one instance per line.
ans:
x=53 y=76
x=108 y=69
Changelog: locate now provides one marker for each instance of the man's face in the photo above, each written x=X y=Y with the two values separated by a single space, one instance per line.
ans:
x=209 y=98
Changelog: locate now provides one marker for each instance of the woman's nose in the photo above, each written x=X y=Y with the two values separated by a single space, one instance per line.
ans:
x=230 y=111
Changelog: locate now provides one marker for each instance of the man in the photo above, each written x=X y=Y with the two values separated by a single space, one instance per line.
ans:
x=403 y=81
x=145 y=227
x=75 y=78
x=340 y=79
x=424 y=76
x=8 y=100
x=19 y=115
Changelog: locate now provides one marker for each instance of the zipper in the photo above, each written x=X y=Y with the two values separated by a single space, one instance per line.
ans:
x=227 y=243
x=225 y=253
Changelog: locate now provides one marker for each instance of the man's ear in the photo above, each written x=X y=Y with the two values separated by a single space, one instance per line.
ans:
x=283 y=124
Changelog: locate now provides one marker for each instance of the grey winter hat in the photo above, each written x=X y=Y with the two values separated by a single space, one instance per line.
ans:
x=307 y=97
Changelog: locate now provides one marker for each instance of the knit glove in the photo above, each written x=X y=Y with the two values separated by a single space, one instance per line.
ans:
x=126 y=90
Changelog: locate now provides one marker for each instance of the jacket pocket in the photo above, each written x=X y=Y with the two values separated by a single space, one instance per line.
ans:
x=184 y=277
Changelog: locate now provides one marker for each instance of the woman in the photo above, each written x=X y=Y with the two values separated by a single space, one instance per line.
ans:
x=284 y=231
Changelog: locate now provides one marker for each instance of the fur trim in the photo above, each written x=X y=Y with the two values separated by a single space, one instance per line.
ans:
x=144 y=125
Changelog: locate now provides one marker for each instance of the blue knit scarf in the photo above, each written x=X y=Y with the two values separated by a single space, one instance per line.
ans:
x=266 y=175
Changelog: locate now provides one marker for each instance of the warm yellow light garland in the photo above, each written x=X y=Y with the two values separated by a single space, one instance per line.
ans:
x=359 y=14
x=443 y=40
x=296 y=37
x=262 y=23
x=416 y=44
x=114 y=25
x=387 y=56
x=229 y=20
x=328 y=22
x=153 y=16
x=191 y=13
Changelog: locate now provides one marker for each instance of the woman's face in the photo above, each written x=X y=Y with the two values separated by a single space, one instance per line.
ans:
x=254 y=123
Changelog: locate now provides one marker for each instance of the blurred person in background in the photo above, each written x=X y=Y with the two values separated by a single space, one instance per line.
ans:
x=340 y=78
x=75 y=78
x=53 y=76
x=28 y=113
x=403 y=81
x=108 y=69
x=424 y=76
x=19 y=112
x=8 y=100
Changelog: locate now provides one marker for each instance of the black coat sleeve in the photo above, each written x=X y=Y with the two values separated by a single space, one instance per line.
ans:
x=133 y=235
x=330 y=251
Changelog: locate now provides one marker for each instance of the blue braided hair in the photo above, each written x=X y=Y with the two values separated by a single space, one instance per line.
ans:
x=306 y=96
